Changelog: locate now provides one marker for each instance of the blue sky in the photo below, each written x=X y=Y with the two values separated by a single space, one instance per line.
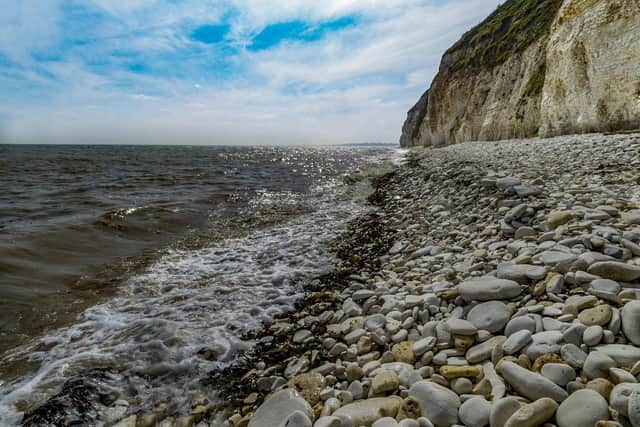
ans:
x=220 y=72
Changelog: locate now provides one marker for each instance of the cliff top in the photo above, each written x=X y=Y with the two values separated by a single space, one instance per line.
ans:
x=510 y=29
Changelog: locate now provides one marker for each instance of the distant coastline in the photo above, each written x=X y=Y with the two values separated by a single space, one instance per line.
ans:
x=371 y=144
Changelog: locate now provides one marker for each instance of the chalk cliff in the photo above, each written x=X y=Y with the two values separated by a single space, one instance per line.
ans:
x=535 y=68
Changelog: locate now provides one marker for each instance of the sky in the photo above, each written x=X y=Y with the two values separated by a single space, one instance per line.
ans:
x=220 y=71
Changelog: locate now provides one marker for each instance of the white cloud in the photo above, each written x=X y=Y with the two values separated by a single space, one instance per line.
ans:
x=28 y=25
x=355 y=85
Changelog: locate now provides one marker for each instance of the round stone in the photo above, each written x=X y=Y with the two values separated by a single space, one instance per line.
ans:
x=582 y=409
x=475 y=412
x=461 y=327
x=502 y=410
x=516 y=341
x=491 y=316
x=557 y=218
x=547 y=342
x=597 y=365
x=385 y=382
x=623 y=355
x=309 y=385
x=605 y=285
x=375 y=321
x=437 y=403
x=403 y=352
x=619 y=397
x=534 y=414
x=520 y=323
x=599 y=315
x=530 y=384
x=618 y=271
x=559 y=373
x=277 y=408
x=353 y=372
x=461 y=385
x=573 y=355
x=488 y=289
x=633 y=409
x=592 y=335
x=366 y=412
x=423 y=345
x=521 y=273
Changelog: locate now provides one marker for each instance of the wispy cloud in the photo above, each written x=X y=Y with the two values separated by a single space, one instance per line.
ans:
x=240 y=71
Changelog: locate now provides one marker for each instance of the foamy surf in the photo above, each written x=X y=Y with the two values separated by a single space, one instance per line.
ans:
x=186 y=314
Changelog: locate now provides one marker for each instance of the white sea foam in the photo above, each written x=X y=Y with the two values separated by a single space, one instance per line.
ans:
x=151 y=333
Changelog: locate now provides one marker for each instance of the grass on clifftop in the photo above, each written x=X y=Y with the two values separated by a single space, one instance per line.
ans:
x=513 y=27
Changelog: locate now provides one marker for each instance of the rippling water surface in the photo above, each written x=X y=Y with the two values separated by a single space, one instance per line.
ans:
x=138 y=259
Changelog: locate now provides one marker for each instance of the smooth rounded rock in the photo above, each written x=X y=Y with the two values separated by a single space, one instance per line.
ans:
x=624 y=355
x=375 y=321
x=491 y=316
x=461 y=327
x=502 y=410
x=475 y=412
x=582 y=409
x=520 y=323
x=461 y=385
x=597 y=365
x=423 y=345
x=277 y=408
x=534 y=414
x=559 y=373
x=559 y=261
x=605 y=285
x=573 y=355
x=599 y=315
x=488 y=289
x=437 y=403
x=516 y=341
x=366 y=412
x=530 y=384
x=403 y=352
x=619 y=397
x=592 y=335
x=618 y=271
x=547 y=342
x=558 y=218
x=521 y=273
x=483 y=351
x=309 y=385
x=385 y=381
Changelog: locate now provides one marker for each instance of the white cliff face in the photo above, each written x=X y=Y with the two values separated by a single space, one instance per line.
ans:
x=489 y=104
x=593 y=68
x=583 y=75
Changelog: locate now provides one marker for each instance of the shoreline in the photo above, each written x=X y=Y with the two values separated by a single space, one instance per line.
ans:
x=399 y=335
x=86 y=394
x=478 y=280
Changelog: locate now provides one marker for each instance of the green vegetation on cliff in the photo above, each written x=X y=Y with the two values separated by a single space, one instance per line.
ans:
x=513 y=27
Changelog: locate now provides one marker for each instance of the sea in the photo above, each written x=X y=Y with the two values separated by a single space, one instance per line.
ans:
x=136 y=259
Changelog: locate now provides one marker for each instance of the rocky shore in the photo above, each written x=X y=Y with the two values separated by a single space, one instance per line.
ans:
x=508 y=298
x=497 y=284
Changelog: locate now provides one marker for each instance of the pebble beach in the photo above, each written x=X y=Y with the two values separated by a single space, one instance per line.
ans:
x=494 y=284
x=508 y=298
